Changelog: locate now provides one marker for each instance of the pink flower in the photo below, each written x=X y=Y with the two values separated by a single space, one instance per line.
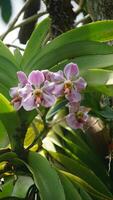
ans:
x=77 y=117
x=47 y=74
x=41 y=92
x=22 y=88
x=68 y=83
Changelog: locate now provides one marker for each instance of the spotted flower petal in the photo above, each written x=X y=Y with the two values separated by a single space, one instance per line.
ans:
x=13 y=91
x=48 y=100
x=47 y=74
x=36 y=78
x=48 y=87
x=25 y=91
x=71 y=71
x=59 y=90
x=72 y=122
x=29 y=103
x=57 y=77
x=17 y=105
x=77 y=116
x=74 y=96
x=80 y=84
x=22 y=78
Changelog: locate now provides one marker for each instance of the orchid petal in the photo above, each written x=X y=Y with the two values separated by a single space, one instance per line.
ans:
x=17 y=105
x=80 y=84
x=72 y=122
x=25 y=91
x=47 y=74
x=48 y=87
x=36 y=78
x=22 y=78
x=71 y=71
x=13 y=91
x=48 y=100
x=74 y=96
x=73 y=107
x=29 y=103
x=57 y=77
x=59 y=90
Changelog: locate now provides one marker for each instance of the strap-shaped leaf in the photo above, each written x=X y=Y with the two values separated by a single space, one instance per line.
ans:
x=8 y=68
x=86 y=156
x=4 y=140
x=51 y=55
x=81 y=171
x=66 y=183
x=35 y=42
x=10 y=119
x=79 y=182
x=99 y=77
x=88 y=62
x=6 y=10
x=45 y=177
x=22 y=184
x=70 y=191
x=98 y=31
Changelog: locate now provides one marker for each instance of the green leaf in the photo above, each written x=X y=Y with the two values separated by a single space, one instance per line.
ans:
x=88 y=62
x=6 y=10
x=81 y=171
x=7 y=188
x=8 y=69
x=84 y=194
x=69 y=189
x=5 y=105
x=99 y=80
x=9 y=156
x=18 y=57
x=47 y=56
x=8 y=115
x=70 y=45
x=92 y=191
x=12 y=198
x=96 y=77
x=22 y=184
x=57 y=107
x=71 y=135
x=87 y=157
x=107 y=113
x=35 y=42
x=93 y=61
x=4 y=140
x=26 y=117
x=101 y=31
x=45 y=177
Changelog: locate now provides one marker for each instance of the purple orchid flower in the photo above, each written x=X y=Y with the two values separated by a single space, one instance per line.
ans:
x=41 y=92
x=68 y=83
x=47 y=74
x=77 y=117
x=17 y=92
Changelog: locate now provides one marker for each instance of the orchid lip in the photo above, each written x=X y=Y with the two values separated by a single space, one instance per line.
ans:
x=16 y=99
x=38 y=92
x=79 y=116
x=38 y=96
x=67 y=87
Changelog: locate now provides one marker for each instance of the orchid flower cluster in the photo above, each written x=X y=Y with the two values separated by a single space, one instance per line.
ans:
x=43 y=88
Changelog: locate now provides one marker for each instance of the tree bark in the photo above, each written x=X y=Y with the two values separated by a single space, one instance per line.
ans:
x=100 y=9
x=62 y=16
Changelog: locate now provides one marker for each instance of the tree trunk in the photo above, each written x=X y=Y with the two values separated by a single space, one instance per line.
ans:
x=61 y=14
x=100 y=9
